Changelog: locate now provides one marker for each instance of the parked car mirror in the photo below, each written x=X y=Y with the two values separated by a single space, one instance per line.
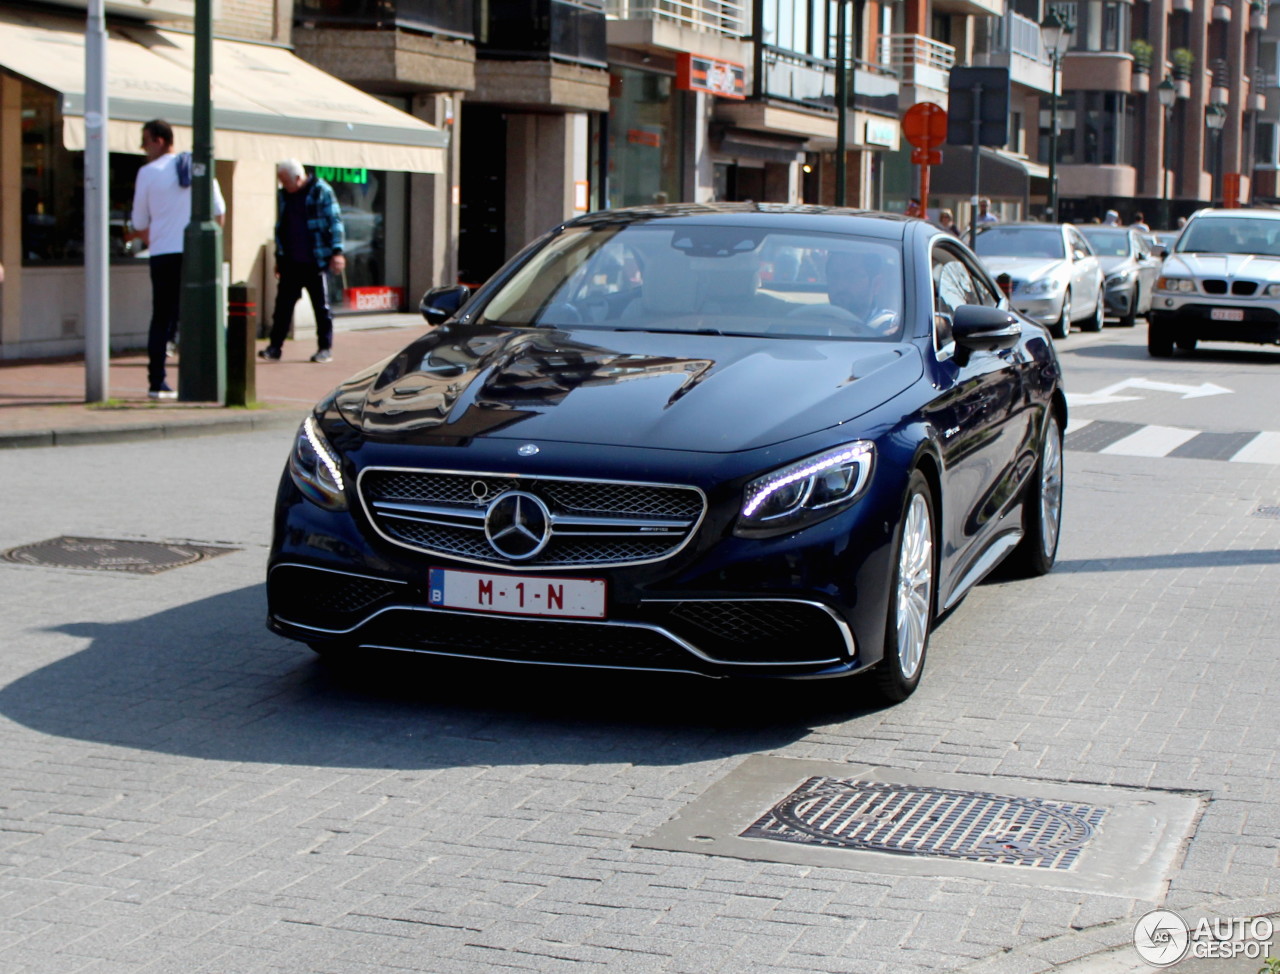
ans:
x=438 y=304
x=976 y=326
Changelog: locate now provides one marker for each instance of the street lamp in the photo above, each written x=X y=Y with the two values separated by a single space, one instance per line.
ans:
x=1055 y=35
x=1168 y=94
x=1215 y=117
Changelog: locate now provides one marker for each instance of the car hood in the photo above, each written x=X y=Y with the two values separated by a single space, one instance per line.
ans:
x=1249 y=266
x=1024 y=268
x=658 y=390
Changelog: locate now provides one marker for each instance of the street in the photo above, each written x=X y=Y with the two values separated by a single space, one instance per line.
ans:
x=183 y=791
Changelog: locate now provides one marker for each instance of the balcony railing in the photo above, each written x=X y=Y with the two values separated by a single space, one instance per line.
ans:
x=919 y=60
x=811 y=81
x=726 y=17
x=1013 y=34
x=451 y=18
x=561 y=30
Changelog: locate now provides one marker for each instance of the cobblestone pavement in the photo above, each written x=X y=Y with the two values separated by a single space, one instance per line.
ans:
x=181 y=791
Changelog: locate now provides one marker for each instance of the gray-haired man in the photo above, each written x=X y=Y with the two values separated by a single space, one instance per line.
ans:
x=309 y=238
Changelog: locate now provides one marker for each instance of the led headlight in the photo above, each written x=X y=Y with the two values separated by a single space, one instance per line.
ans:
x=1046 y=285
x=1176 y=284
x=315 y=468
x=806 y=491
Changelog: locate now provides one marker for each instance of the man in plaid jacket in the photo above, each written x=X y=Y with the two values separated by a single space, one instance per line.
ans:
x=308 y=246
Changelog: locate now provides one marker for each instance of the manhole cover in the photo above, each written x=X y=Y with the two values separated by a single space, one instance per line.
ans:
x=1267 y=512
x=922 y=821
x=108 y=555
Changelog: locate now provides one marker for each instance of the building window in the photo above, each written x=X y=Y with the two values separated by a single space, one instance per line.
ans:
x=1096 y=128
x=1265 y=147
x=1097 y=25
x=53 y=188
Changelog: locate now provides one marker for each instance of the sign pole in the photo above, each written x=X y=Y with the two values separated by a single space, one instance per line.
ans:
x=97 y=289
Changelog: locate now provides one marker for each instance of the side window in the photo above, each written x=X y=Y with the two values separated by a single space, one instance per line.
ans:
x=952 y=285
x=982 y=294
x=1079 y=244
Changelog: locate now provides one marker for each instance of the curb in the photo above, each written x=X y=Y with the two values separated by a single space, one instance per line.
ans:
x=166 y=429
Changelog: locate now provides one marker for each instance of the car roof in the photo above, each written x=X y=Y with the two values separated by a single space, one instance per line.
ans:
x=1252 y=213
x=868 y=223
x=1023 y=225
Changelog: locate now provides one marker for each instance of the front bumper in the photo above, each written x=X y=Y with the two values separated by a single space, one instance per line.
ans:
x=1046 y=310
x=1259 y=325
x=1120 y=300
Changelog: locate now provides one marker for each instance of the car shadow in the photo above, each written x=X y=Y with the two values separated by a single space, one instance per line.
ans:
x=206 y=680
x=1138 y=353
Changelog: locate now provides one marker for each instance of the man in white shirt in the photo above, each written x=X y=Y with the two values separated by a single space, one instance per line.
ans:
x=161 y=212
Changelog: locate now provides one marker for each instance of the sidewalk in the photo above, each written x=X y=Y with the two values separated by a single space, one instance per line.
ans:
x=42 y=402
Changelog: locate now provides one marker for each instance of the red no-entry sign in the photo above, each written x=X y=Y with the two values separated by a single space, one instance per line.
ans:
x=924 y=125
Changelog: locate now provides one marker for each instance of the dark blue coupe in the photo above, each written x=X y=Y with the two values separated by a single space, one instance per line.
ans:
x=734 y=439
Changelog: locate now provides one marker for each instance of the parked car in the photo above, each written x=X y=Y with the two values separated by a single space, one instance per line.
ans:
x=631 y=449
x=1220 y=283
x=1129 y=267
x=1057 y=279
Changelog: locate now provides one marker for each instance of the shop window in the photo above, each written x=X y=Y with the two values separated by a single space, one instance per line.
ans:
x=371 y=201
x=53 y=188
x=646 y=144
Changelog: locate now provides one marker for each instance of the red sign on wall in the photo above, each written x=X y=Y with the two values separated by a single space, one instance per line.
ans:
x=374 y=298
x=727 y=79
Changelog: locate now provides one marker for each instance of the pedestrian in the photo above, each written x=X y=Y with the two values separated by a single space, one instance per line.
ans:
x=914 y=208
x=984 y=213
x=1140 y=223
x=309 y=239
x=161 y=212
x=1112 y=219
x=1005 y=283
x=947 y=222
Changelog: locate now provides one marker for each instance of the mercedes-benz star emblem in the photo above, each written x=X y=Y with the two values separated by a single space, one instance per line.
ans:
x=518 y=525
x=528 y=450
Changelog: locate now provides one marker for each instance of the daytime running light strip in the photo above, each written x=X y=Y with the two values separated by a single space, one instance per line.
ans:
x=318 y=444
x=857 y=454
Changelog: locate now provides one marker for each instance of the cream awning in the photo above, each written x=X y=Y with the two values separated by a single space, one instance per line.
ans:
x=268 y=104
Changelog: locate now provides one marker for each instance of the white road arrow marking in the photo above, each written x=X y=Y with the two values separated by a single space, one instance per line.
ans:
x=1108 y=394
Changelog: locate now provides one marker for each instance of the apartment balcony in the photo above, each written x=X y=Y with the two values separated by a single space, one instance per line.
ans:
x=1013 y=42
x=389 y=45
x=534 y=30
x=713 y=28
x=923 y=64
x=447 y=18
x=811 y=82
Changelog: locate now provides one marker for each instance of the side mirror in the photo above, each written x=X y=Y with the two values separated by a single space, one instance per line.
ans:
x=976 y=326
x=441 y=303
x=1160 y=251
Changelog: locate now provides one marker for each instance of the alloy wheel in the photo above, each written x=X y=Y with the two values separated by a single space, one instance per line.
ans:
x=1051 y=488
x=915 y=585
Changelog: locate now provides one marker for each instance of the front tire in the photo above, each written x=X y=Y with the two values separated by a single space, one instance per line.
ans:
x=1062 y=327
x=912 y=596
x=1042 y=508
x=1159 y=340
x=1095 y=322
x=1128 y=321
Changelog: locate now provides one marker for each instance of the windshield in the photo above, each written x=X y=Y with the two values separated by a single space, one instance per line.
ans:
x=718 y=279
x=1108 y=243
x=1042 y=242
x=1231 y=235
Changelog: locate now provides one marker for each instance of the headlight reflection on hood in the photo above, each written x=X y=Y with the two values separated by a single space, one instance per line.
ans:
x=806 y=491
x=315 y=469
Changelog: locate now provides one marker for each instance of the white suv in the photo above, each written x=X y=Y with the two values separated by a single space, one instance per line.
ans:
x=1220 y=283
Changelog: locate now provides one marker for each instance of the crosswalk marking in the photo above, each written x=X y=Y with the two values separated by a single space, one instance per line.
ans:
x=1263 y=448
x=1138 y=440
x=1150 y=441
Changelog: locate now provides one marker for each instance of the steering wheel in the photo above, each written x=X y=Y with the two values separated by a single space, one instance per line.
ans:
x=561 y=313
x=823 y=311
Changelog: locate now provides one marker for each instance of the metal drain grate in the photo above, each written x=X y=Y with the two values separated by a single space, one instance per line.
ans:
x=923 y=821
x=107 y=555
x=1267 y=512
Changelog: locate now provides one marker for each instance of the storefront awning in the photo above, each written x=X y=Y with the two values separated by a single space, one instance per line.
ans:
x=268 y=103
x=1001 y=175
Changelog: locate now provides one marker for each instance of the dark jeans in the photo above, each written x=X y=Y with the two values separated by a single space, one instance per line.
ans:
x=295 y=277
x=166 y=293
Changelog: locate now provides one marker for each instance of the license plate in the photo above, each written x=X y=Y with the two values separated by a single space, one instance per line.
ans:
x=530 y=595
x=1227 y=314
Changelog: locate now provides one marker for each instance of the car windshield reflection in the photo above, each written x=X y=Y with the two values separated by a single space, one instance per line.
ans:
x=709 y=280
x=1231 y=235
x=1042 y=242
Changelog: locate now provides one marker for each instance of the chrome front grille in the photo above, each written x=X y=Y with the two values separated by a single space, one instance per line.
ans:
x=590 y=523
